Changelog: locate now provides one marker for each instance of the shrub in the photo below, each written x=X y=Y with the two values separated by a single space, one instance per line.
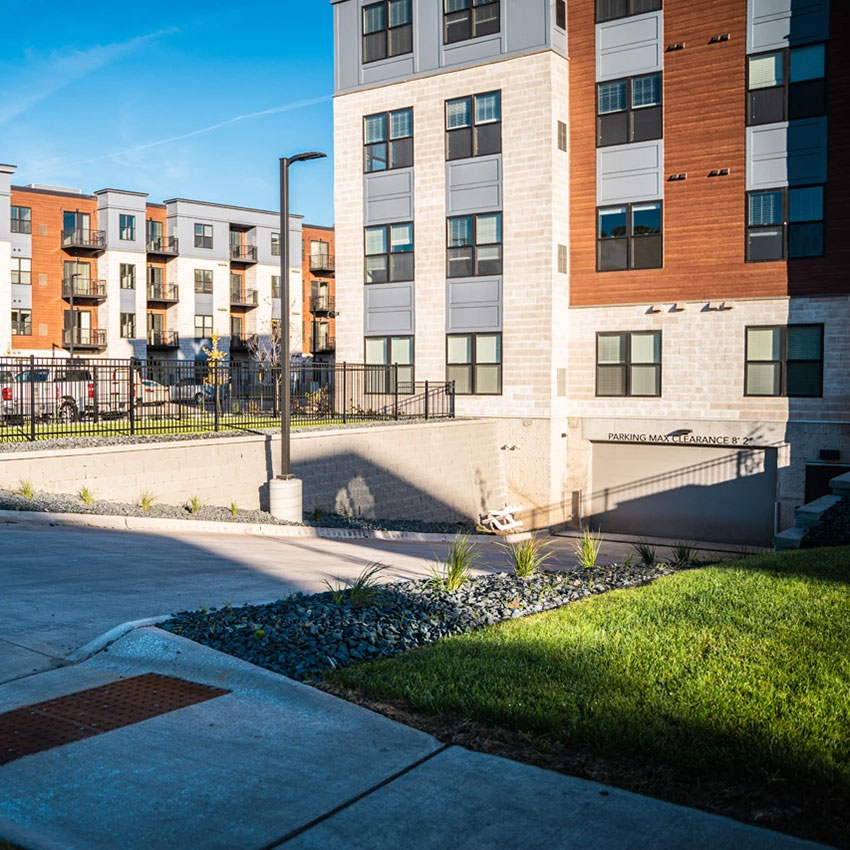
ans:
x=683 y=554
x=317 y=513
x=146 y=500
x=234 y=510
x=364 y=590
x=195 y=504
x=528 y=556
x=646 y=553
x=587 y=548
x=455 y=571
x=25 y=488
x=85 y=495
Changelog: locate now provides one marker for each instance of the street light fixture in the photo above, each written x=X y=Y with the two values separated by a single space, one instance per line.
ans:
x=285 y=489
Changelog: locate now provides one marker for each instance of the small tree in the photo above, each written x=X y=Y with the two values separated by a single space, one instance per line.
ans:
x=215 y=376
x=266 y=351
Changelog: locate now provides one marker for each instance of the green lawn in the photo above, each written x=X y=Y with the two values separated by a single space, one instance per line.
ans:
x=726 y=687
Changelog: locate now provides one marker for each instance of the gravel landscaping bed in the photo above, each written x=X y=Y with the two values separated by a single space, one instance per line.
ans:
x=833 y=529
x=305 y=636
x=64 y=503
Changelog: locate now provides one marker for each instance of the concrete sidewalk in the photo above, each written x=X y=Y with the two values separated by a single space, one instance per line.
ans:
x=276 y=763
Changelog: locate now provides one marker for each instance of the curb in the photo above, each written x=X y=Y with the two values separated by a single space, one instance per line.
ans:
x=154 y=524
x=106 y=639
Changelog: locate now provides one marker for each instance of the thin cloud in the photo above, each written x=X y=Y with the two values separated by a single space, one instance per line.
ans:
x=63 y=69
x=275 y=110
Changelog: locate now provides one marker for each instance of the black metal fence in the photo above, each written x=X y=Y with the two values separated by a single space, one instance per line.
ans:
x=49 y=398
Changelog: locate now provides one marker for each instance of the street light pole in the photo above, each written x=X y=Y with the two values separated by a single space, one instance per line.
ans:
x=285 y=489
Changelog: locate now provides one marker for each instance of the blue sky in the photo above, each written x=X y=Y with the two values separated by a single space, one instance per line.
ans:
x=163 y=98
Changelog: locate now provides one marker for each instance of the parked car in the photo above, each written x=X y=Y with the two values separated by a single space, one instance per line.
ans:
x=193 y=391
x=150 y=393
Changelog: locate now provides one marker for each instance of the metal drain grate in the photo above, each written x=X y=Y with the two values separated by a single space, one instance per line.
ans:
x=39 y=727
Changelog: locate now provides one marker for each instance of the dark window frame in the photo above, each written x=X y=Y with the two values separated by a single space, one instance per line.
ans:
x=372 y=369
x=629 y=237
x=561 y=14
x=472 y=129
x=124 y=275
x=204 y=325
x=22 y=326
x=274 y=244
x=473 y=362
x=389 y=254
x=126 y=225
x=20 y=272
x=786 y=85
x=783 y=359
x=385 y=31
x=786 y=225
x=203 y=235
x=627 y=364
x=19 y=224
x=206 y=284
x=390 y=143
x=630 y=110
x=123 y=319
x=474 y=245
x=473 y=27
x=630 y=5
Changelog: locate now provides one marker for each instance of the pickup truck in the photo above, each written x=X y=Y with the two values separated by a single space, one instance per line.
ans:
x=67 y=393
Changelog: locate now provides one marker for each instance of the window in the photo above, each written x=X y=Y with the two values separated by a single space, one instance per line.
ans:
x=629 y=237
x=561 y=14
x=474 y=125
x=128 y=325
x=562 y=136
x=474 y=363
x=22 y=271
x=127 y=276
x=388 y=140
x=628 y=110
x=464 y=19
x=387 y=29
x=389 y=253
x=204 y=281
x=203 y=327
x=275 y=286
x=389 y=351
x=155 y=277
x=474 y=245
x=786 y=84
x=609 y=10
x=127 y=227
x=784 y=361
x=628 y=363
x=276 y=245
x=203 y=236
x=21 y=220
x=22 y=322
x=785 y=223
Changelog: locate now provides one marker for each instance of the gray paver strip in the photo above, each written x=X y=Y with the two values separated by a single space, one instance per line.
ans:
x=472 y=801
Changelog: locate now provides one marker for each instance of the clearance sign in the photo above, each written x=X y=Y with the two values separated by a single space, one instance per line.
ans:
x=684 y=439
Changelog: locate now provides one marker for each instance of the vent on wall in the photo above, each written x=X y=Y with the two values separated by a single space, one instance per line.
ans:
x=42 y=230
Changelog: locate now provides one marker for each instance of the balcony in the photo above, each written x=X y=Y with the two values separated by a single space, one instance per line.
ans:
x=91 y=338
x=84 y=289
x=163 y=339
x=83 y=239
x=243 y=253
x=163 y=293
x=324 y=344
x=243 y=297
x=322 y=304
x=241 y=342
x=164 y=245
x=322 y=263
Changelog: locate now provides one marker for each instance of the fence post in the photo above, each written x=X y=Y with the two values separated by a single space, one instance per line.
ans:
x=426 y=400
x=32 y=398
x=344 y=392
x=217 y=395
x=395 y=390
x=94 y=377
x=451 y=399
x=131 y=381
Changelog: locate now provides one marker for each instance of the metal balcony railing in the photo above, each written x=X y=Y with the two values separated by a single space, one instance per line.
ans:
x=162 y=245
x=241 y=342
x=84 y=337
x=83 y=287
x=164 y=292
x=82 y=237
x=323 y=344
x=322 y=304
x=243 y=298
x=163 y=339
x=243 y=253
x=322 y=262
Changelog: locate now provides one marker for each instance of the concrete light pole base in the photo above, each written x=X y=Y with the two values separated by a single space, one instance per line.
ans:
x=285 y=499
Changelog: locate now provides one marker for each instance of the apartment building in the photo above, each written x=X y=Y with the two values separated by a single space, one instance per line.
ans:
x=620 y=227
x=319 y=306
x=112 y=275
